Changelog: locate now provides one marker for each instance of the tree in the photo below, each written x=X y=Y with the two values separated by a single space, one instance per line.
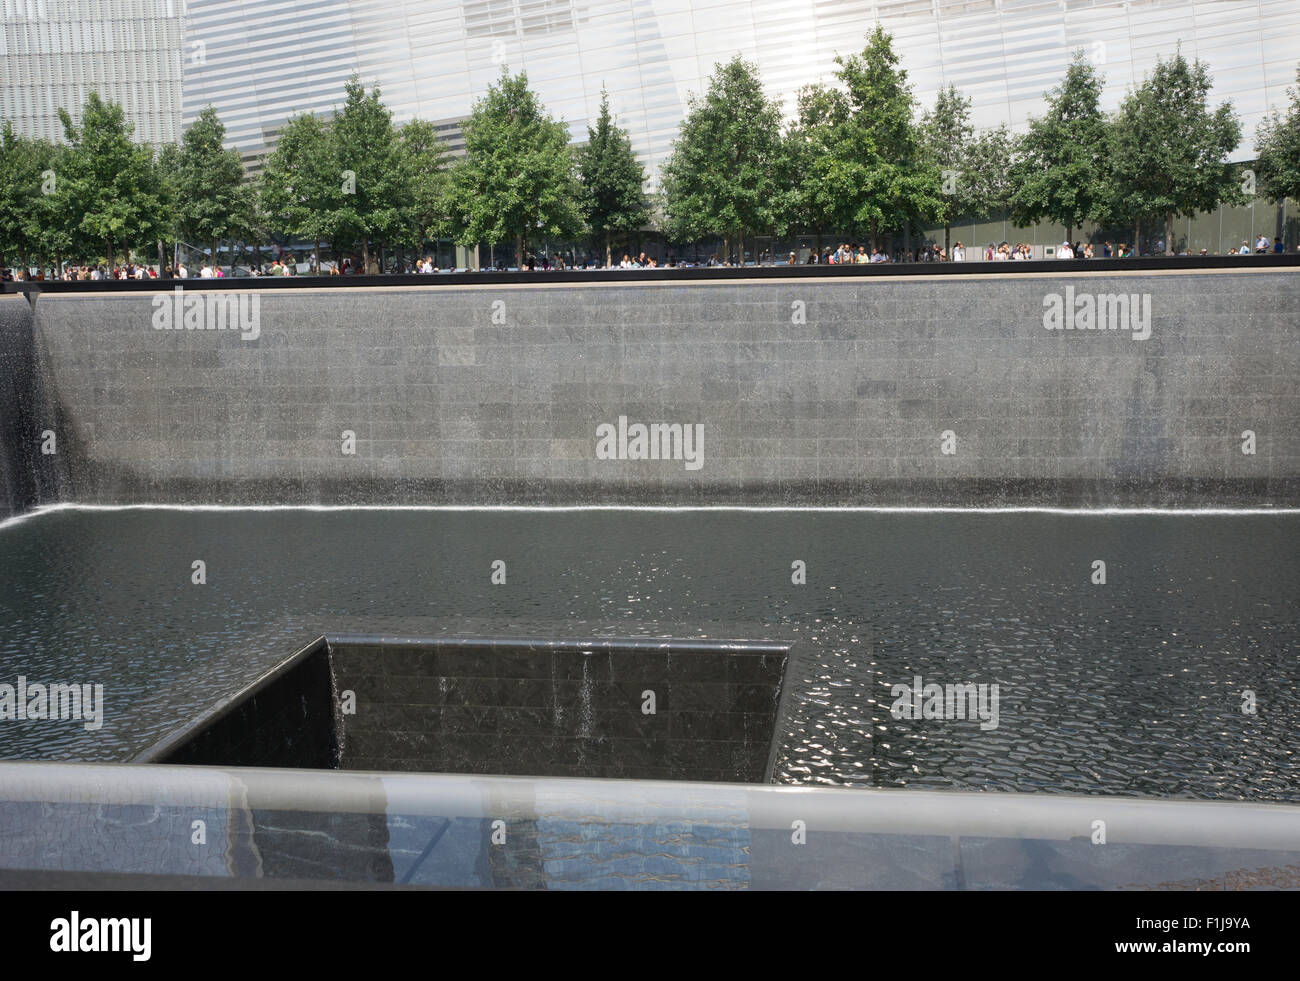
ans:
x=167 y=168
x=722 y=175
x=1169 y=148
x=949 y=144
x=210 y=198
x=613 y=181
x=366 y=151
x=988 y=172
x=1061 y=171
x=809 y=204
x=426 y=203
x=25 y=168
x=1277 y=143
x=517 y=178
x=107 y=189
x=300 y=184
x=876 y=167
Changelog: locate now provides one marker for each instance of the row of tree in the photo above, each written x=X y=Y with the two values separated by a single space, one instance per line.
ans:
x=857 y=160
x=352 y=181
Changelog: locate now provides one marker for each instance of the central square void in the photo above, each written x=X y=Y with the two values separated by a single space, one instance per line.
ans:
x=643 y=709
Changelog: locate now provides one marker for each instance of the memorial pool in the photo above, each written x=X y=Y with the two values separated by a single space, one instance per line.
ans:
x=1131 y=687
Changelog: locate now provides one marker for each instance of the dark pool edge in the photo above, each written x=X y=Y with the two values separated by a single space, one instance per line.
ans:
x=223 y=708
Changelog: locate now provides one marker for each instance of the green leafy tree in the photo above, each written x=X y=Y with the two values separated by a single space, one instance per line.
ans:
x=518 y=176
x=107 y=188
x=877 y=168
x=1277 y=142
x=1062 y=166
x=25 y=168
x=1169 y=148
x=809 y=203
x=366 y=150
x=613 y=181
x=988 y=172
x=167 y=167
x=209 y=194
x=723 y=175
x=949 y=140
x=300 y=184
x=426 y=201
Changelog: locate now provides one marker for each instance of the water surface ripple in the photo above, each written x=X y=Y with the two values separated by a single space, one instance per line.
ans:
x=1134 y=687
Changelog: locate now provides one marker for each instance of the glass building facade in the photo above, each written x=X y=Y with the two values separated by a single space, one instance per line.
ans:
x=260 y=62
x=264 y=61
x=54 y=53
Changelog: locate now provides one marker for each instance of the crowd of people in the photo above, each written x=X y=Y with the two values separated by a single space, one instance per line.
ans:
x=844 y=254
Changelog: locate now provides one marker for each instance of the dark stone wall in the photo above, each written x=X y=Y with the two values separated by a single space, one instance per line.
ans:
x=285 y=719
x=809 y=391
x=561 y=709
x=18 y=433
x=525 y=708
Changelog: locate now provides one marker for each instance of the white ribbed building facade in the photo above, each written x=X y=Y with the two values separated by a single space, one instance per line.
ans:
x=266 y=59
x=260 y=61
x=53 y=53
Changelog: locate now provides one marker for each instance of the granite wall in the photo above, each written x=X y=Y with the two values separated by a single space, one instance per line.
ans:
x=562 y=708
x=641 y=709
x=951 y=390
x=19 y=434
x=285 y=718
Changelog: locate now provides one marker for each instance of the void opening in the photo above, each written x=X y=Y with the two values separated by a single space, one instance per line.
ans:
x=639 y=709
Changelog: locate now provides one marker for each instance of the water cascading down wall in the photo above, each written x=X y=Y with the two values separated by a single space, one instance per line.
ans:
x=27 y=476
x=862 y=390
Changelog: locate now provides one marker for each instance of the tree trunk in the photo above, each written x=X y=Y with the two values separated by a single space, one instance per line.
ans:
x=1137 y=237
x=947 y=235
x=316 y=264
x=365 y=256
x=875 y=236
x=607 y=253
x=160 y=257
x=214 y=255
x=1069 y=235
x=740 y=248
x=1169 y=233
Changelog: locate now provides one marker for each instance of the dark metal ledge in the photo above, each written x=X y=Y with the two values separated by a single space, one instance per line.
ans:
x=697 y=274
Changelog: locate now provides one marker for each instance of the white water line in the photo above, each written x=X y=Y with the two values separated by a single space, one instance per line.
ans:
x=671 y=509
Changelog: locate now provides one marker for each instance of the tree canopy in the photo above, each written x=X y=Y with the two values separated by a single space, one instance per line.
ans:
x=1277 y=141
x=1169 y=149
x=301 y=182
x=517 y=179
x=722 y=176
x=365 y=149
x=1062 y=168
x=210 y=200
x=427 y=204
x=613 y=181
x=107 y=190
x=877 y=172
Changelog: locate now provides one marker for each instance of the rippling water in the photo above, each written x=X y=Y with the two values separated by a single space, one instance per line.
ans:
x=1134 y=687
